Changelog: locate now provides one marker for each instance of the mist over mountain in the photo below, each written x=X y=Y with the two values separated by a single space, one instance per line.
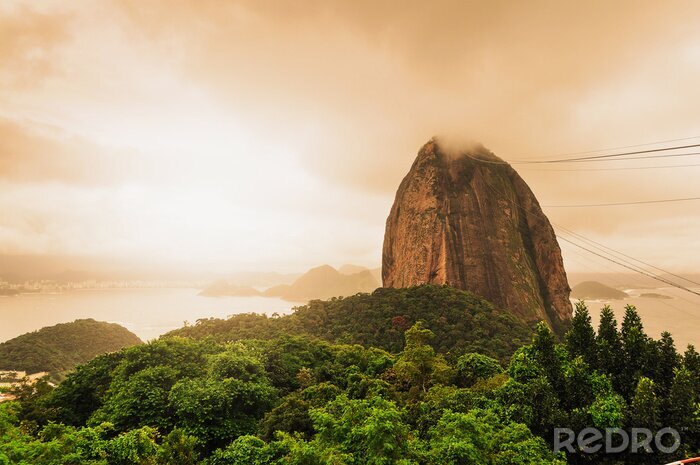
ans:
x=324 y=282
x=465 y=218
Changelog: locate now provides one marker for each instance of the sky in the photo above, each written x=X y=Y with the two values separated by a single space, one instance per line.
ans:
x=272 y=135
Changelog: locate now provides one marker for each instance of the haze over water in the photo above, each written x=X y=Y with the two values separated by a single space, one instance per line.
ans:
x=146 y=312
x=150 y=313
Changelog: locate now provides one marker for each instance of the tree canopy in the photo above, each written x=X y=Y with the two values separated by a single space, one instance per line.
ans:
x=300 y=399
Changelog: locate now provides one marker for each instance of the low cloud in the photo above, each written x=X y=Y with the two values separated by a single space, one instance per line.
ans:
x=29 y=41
x=31 y=153
x=260 y=100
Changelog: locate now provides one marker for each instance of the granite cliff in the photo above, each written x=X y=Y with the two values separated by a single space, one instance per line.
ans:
x=468 y=220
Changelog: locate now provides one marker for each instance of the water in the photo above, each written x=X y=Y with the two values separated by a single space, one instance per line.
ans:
x=679 y=316
x=146 y=312
x=152 y=312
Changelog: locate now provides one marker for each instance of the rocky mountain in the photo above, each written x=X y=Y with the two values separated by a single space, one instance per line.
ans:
x=468 y=220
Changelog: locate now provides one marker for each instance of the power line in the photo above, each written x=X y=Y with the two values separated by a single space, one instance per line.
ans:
x=619 y=283
x=629 y=267
x=591 y=160
x=642 y=202
x=622 y=156
x=612 y=155
x=612 y=169
x=620 y=147
x=610 y=249
x=625 y=265
x=611 y=158
x=629 y=264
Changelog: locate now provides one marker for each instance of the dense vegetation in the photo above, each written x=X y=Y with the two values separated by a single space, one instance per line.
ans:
x=461 y=322
x=60 y=348
x=303 y=400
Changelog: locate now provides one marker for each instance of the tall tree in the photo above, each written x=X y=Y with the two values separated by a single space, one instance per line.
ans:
x=545 y=353
x=609 y=346
x=682 y=412
x=644 y=411
x=666 y=363
x=472 y=367
x=580 y=339
x=419 y=366
x=691 y=362
x=636 y=348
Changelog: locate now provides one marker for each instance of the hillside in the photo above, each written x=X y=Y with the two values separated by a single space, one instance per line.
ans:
x=324 y=282
x=461 y=321
x=351 y=269
x=60 y=348
x=300 y=400
x=593 y=290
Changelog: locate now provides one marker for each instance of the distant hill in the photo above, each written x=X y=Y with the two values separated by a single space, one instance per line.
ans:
x=60 y=348
x=324 y=282
x=277 y=291
x=352 y=269
x=593 y=290
x=223 y=288
x=262 y=279
x=462 y=322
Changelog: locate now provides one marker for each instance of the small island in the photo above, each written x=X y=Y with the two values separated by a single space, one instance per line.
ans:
x=593 y=290
x=654 y=295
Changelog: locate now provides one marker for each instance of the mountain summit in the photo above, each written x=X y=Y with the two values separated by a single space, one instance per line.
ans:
x=468 y=220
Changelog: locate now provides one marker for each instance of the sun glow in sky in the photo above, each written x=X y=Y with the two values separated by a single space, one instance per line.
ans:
x=272 y=135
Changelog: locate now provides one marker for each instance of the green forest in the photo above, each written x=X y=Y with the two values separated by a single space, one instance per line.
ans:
x=60 y=348
x=426 y=375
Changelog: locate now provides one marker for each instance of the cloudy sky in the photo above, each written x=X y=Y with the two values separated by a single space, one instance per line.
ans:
x=272 y=135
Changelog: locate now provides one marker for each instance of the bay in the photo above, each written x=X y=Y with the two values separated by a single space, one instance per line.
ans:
x=148 y=313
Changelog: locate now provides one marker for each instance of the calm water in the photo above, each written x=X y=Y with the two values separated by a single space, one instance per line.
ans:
x=679 y=316
x=152 y=312
x=146 y=312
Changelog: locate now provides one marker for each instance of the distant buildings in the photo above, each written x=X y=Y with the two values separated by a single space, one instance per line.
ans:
x=52 y=287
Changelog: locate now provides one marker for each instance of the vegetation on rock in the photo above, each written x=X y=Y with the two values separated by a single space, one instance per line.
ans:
x=461 y=322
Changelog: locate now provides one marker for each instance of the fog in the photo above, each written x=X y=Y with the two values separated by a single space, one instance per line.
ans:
x=257 y=135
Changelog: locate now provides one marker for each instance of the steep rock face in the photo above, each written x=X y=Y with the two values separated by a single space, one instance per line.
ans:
x=471 y=222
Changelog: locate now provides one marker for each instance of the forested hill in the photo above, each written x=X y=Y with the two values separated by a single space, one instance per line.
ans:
x=300 y=400
x=60 y=348
x=461 y=321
